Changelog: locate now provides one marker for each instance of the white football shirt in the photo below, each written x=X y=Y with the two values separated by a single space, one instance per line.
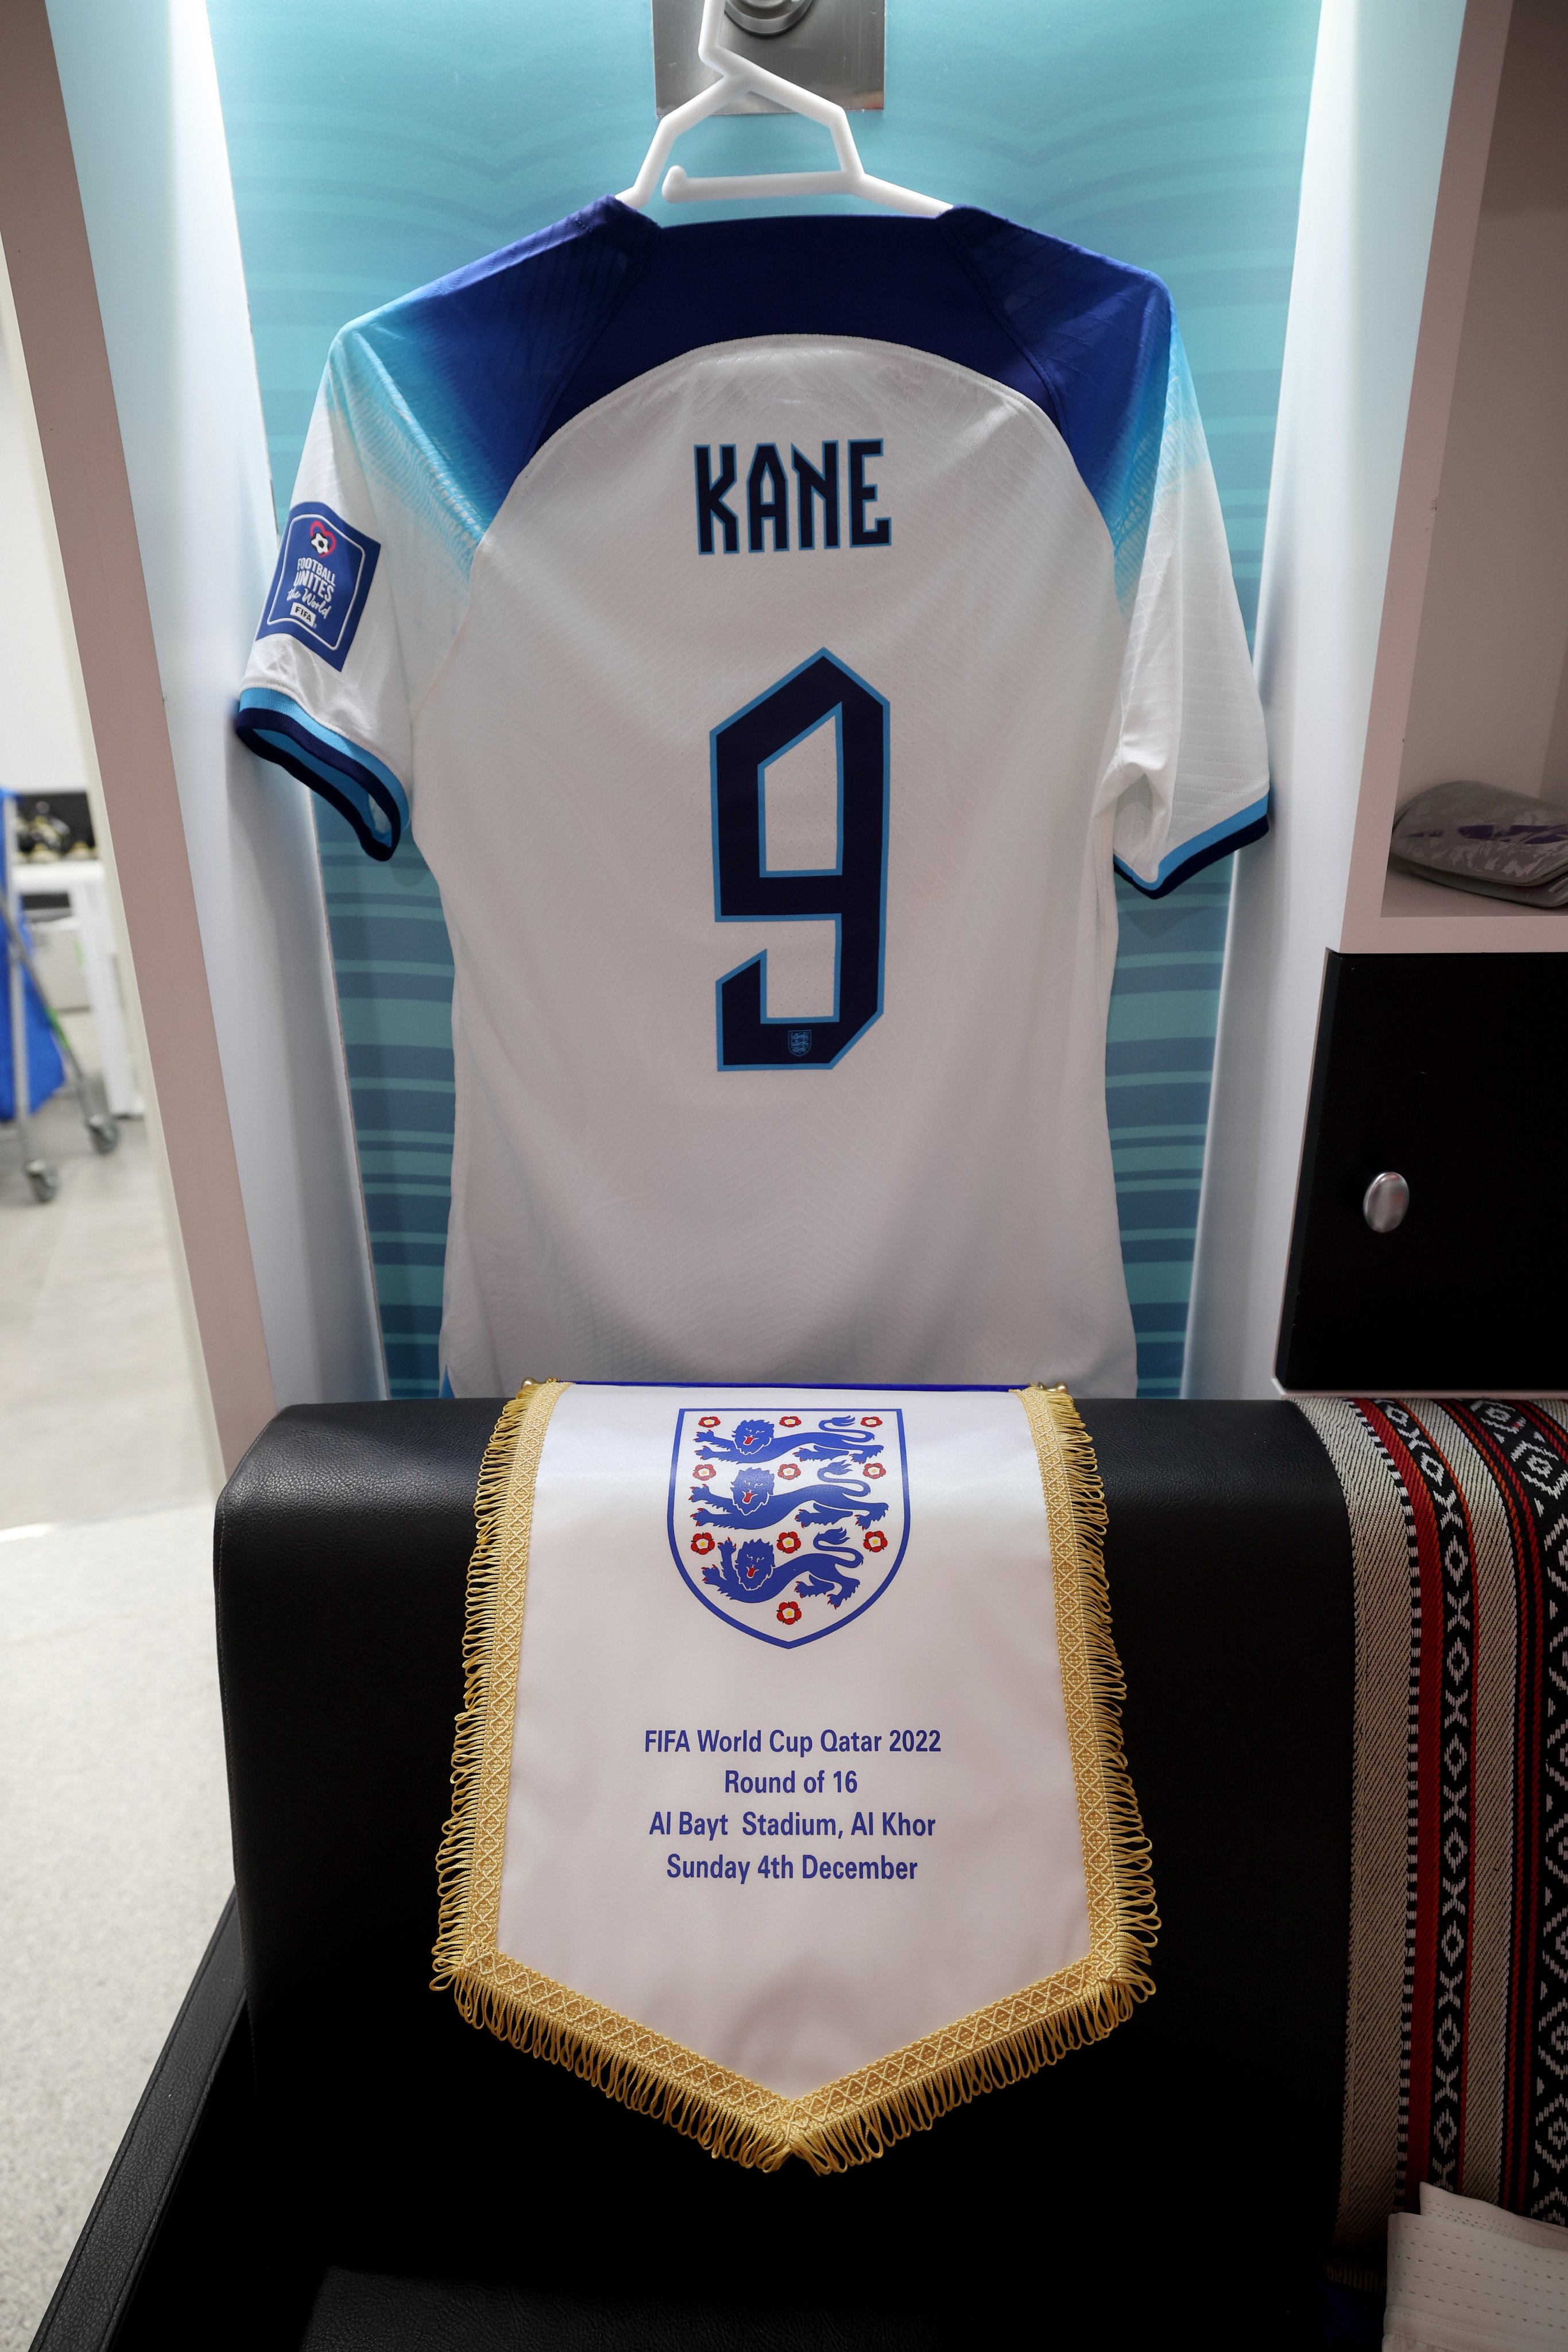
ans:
x=773 y=631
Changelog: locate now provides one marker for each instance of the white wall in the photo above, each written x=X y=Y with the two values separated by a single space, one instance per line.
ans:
x=51 y=738
x=40 y=751
x=1375 y=137
x=141 y=99
x=1494 y=627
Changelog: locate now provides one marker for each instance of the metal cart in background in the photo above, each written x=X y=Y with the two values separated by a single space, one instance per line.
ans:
x=19 y=970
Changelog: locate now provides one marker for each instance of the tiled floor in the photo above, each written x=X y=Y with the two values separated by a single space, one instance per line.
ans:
x=113 y=1826
x=114 y=1855
x=95 y=1410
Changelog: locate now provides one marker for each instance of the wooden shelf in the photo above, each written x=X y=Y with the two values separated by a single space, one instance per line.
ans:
x=1421 y=918
x=1472 y=670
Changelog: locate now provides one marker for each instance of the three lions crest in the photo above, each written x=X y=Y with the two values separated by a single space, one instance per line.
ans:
x=789 y=1521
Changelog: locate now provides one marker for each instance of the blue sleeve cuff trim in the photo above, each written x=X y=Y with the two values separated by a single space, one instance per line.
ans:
x=1205 y=849
x=353 y=780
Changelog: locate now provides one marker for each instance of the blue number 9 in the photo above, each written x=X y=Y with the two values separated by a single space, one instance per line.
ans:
x=853 y=893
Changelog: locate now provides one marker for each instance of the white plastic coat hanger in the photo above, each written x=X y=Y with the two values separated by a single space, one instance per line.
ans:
x=739 y=76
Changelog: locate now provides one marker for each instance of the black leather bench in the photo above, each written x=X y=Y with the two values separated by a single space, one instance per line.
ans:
x=328 y=2157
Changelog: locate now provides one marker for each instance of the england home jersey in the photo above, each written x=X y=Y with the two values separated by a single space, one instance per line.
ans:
x=773 y=632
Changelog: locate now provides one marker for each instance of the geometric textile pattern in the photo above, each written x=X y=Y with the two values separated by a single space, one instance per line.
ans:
x=1457 y=2064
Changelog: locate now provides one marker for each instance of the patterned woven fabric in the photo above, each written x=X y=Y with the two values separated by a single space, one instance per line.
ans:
x=1457 y=2059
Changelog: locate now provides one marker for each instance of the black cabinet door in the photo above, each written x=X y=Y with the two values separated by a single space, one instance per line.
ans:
x=1449 y=1071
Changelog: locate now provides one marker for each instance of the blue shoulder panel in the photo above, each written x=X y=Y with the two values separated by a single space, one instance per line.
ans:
x=1101 y=335
x=453 y=384
x=883 y=280
x=447 y=392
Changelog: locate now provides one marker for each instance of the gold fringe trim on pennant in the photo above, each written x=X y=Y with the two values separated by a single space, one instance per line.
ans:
x=1117 y=1859
x=507 y=1467
x=859 y=2116
x=845 y=2123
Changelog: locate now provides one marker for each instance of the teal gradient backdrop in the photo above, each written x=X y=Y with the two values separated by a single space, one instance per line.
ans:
x=375 y=146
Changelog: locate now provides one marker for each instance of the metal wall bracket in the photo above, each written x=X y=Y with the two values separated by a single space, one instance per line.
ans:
x=836 y=49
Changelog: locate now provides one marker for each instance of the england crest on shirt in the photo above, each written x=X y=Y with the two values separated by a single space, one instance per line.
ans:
x=786 y=1522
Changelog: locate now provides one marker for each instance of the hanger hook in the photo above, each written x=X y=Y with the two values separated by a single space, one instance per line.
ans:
x=738 y=77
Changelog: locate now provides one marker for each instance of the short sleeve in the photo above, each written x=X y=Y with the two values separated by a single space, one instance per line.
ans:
x=1187 y=766
x=429 y=410
x=325 y=693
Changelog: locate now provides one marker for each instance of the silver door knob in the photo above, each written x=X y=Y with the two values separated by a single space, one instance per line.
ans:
x=1384 y=1201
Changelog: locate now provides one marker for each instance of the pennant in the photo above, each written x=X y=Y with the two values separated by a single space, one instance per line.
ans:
x=790 y=1805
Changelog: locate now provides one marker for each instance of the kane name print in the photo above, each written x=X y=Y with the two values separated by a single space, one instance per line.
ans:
x=767 y=496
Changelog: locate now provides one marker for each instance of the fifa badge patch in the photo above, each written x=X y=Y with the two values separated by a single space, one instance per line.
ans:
x=788 y=1525
x=323 y=577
